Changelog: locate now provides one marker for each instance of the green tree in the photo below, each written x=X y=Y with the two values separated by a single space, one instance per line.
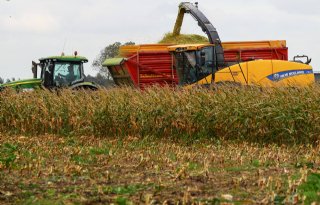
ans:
x=110 y=51
x=1 y=80
x=100 y=79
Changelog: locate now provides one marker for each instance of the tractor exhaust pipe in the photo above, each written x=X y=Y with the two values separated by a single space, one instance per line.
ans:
x=34 y=69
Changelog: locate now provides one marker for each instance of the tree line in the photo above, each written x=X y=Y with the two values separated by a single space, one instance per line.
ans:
x=2 y=80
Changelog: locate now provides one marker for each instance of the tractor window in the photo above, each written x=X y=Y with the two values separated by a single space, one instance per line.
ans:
x=47 y=74
x=206 y=64
x=185 y=64
x=66 y=73
x=193 y=66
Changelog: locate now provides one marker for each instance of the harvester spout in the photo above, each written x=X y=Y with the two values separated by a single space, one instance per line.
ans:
x=179 y=20
x=206 y=26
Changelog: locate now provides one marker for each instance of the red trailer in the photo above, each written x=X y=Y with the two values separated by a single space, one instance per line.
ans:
x=146 y=65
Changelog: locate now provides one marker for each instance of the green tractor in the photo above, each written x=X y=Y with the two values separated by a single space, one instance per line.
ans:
x=56 y=72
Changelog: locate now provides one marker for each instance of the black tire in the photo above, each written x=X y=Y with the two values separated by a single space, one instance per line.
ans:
x=85 y=88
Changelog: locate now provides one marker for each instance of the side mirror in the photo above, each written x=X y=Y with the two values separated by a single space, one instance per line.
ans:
x=34 y=69
x=202 y=58
x=299 y=58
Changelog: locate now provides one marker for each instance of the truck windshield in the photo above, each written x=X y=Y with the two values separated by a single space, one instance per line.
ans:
x=65 y=73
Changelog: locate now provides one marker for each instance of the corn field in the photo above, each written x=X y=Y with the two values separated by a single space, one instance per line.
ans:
x=283 y=115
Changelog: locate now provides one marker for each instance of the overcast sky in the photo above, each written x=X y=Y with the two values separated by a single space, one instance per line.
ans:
x=30 y=29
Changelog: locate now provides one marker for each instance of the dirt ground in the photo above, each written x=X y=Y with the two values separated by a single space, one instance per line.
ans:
x=88 y=170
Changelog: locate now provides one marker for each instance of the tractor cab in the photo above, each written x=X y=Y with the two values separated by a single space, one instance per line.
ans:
x=193 y=62
x=62 y=71
x=55 y=72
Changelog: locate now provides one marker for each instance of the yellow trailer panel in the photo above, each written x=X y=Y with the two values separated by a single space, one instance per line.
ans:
x=127 y=50
x=254 y=44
